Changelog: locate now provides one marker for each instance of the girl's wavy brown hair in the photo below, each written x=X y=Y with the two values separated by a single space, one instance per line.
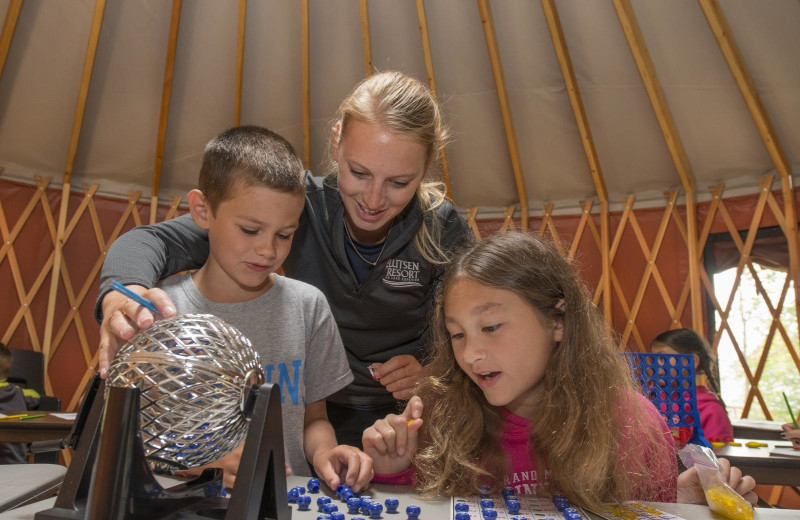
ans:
x=588 y=399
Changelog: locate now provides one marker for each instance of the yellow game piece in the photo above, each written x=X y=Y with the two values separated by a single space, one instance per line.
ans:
x=756 y=444
x=734 y=443
x=717 y=444
x=727 y=502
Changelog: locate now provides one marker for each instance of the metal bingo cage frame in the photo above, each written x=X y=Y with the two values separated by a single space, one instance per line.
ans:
x=668 y=381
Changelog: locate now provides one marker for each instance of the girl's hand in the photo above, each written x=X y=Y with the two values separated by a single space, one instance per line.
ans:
x=690 y=491
x=122 y=317
x=790 y=433
x=392 y=442
x=399 y=375
x=344 y=464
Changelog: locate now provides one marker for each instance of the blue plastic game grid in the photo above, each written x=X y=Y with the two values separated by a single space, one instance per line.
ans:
x=668 y=381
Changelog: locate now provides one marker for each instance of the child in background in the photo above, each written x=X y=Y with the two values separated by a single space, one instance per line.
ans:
x=526 y=389
x=713 y=415
x=250 y=197
x=13 y=399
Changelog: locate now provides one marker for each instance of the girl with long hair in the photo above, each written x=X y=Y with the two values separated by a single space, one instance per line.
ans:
x=525 y=388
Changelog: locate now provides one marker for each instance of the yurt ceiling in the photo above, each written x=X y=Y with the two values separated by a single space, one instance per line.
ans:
x=657 y=102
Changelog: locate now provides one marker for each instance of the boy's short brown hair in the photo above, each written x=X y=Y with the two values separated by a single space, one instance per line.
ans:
x=252 y=155
x=6 y=360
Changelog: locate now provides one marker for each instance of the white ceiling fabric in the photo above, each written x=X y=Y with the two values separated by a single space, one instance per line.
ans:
x=40 y=82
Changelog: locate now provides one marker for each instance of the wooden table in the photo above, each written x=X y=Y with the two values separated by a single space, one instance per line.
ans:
x=759 y=464
x=755 y=429
x=44 y=428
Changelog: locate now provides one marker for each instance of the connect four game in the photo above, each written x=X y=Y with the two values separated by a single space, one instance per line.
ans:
x=515 y=507
x=668 y=381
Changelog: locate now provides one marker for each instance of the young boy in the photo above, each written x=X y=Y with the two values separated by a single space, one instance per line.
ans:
x=13 y=399
x=250 y=197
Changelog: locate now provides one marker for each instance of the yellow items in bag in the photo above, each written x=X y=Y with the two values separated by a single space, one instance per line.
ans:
x=725 y=501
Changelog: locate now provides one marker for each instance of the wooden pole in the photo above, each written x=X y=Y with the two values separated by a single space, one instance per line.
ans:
x=83 y=93
x=237 y=109
x=426 y=49
x=644 y=63
x=12 y=15
x=166 y=92
x=304 y=50
x=505 y=108
x=730 y=50
x=365 y=41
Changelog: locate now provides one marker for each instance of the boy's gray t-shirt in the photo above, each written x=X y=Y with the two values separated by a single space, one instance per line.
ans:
x=292 y=329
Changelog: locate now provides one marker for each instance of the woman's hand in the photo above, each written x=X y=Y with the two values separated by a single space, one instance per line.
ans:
x=392 y=441
x=399 y=375
x=690 y=491
x=790 y=433
x=122 y=317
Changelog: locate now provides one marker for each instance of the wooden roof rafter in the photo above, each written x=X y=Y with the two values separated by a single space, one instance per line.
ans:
x=10 y=23
x=573 y=91
x=426 y=50
x=166 y=93
x=647 y=71
x=83 y=94
x=744 y=81
x=365 y=39
x=505 y=108
x=237 y=102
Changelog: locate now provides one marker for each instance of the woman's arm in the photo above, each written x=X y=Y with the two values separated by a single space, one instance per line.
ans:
x=147 y=254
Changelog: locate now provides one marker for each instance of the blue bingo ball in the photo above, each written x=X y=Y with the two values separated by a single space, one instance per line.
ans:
x=329 y=508
x=413 y=511
x=353 y=505
x=483 y=491
x=339 y=488
x=375 y=509
x=313 y=485
x=487 y=502
x=365 y=505
x=507 y=491
x=513 y=506
x=321 y=501
x=292 y=494
x=392 y=504
x=336 y=515
x=461 y=506
x=324 y=517
x=346 y=495
x=462 y=516
x=489 y=513
x=520 y=517
x=303 y=501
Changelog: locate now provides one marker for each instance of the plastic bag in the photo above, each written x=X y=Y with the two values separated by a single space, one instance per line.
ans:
x=719 y=495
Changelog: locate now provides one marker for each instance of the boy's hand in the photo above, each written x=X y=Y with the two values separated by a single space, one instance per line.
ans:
x=122 y=317
x=344 y=464
x=229 y=465
x=399 y=375
x=392 y=441
x=690 y=491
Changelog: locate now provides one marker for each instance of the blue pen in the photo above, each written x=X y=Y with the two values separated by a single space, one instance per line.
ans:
x=115 y=285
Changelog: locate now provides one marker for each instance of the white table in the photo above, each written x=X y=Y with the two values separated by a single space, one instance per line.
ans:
x=432 y=509
x=22 y=483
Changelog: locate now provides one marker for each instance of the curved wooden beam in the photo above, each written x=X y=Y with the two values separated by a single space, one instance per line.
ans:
x=237 y=104
x=365 y=41
x=12 y=15
x=505 y=107
x=426 y=49
x=166 y=92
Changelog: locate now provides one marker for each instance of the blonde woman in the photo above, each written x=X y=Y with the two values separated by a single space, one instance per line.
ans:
x=373 y=238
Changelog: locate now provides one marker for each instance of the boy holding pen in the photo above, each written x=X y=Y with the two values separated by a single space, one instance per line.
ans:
x=13 y=399
x=250 y=200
